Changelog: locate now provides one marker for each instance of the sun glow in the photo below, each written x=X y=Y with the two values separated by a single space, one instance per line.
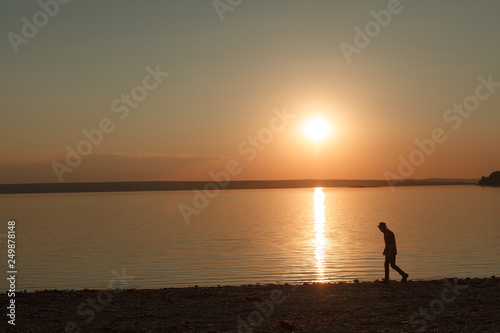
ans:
x=317 y=129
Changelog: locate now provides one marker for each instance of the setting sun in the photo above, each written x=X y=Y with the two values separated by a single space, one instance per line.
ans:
x=317 y=129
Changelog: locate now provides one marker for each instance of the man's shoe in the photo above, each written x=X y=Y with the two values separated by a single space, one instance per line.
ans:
x=405 y=278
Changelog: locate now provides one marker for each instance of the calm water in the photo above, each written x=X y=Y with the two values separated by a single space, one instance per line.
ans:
x=73 y=241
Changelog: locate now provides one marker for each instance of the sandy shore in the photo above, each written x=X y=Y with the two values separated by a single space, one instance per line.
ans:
x=450 y=305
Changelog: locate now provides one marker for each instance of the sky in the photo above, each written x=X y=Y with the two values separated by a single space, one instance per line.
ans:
x=185 y=90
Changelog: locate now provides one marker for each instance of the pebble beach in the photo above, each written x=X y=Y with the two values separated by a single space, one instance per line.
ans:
x=447 y=305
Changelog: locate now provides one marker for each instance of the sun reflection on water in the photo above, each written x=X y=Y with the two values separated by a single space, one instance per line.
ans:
x=319 y=228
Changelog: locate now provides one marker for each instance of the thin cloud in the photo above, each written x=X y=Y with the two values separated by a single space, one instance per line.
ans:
x=103 y=167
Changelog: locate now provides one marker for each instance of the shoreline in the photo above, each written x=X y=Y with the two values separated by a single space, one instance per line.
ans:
x=446 y=305
x=95 y=187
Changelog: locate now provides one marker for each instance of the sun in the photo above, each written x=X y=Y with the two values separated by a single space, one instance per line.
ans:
x=317 y=129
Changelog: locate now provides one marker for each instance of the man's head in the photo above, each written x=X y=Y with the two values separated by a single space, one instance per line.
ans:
x=382 y=226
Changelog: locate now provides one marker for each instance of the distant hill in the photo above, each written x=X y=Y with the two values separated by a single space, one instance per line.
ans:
x=190 y=185
x=492 y=180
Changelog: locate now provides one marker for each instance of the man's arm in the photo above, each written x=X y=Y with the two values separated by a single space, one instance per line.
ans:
x=386 y=242
x=390 y=243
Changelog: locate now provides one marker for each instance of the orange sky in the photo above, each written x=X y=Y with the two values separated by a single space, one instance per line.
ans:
x=171 y=92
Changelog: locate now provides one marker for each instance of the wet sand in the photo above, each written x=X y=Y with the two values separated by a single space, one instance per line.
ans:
x=449 y=305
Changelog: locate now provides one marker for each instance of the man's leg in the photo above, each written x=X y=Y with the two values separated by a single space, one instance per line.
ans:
x=397 y=269
x=386 y=267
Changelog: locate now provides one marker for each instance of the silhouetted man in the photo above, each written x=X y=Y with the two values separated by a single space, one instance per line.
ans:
x=390 y=252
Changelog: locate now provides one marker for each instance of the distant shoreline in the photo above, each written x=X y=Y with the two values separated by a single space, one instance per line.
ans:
x=232 y=185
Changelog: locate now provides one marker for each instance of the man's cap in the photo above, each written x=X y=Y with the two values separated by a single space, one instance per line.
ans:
x=382 y=225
